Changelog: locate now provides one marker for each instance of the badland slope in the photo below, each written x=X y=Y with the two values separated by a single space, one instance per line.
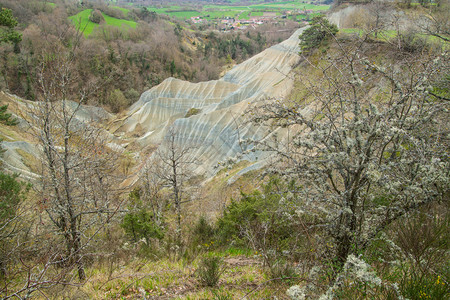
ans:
x=207 y=116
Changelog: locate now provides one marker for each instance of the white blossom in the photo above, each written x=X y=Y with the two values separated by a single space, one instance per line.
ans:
x=296 y=293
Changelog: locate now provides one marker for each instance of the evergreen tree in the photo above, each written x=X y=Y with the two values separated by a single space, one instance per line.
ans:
x=320 y=31
x=5 y=118
x=7 y=24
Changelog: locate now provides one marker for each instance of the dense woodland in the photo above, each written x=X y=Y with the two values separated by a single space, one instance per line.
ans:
x=353 y=205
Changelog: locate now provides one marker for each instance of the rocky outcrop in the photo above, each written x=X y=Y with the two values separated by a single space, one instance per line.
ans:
x=214 y=132
x=22 y=152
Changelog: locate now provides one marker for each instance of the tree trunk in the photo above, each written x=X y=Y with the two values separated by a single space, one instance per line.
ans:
x=343 y=250
x=79 y=259
x=344 y=243
x=178 y=212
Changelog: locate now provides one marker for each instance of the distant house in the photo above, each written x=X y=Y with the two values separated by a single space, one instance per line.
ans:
x=257 y=20
x=196 y=20
x=227 y=20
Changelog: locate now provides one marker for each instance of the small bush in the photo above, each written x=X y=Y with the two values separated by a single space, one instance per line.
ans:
x=132 y=95
x=117 y=101
x=423 y=239
x=203 y=232
x=427 y=286
x=209 y=271
x=410 y=42
x=193 y=111
x=264 y=221
x=139 y=223
x=96 y=17
x=200 y=239
x=282 y=270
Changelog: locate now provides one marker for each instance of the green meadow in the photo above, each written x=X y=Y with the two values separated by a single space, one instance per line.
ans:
x=241 y=12
x=82 y=21
x=124 y=10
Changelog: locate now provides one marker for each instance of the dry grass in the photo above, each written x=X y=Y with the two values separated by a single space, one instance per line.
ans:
x=166 y=279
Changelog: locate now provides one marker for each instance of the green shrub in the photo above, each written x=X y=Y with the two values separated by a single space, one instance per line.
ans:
x=139 y=223
x=203 y=232
x=132 y=95
x=6 y=118
x=12 y=193
x=8 y=34
x=264 y=215
x=264 y=221
x=193 y=111
x=117 y=101
x=201 y=239
x=96 y=17
x=425 y=270
x=209 y=271
x=412 y=255
x=428 y=286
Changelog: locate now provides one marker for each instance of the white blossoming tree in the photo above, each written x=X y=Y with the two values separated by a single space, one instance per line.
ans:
x=367 y=142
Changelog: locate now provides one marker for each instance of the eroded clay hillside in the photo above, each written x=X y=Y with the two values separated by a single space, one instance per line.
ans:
x=207 y=116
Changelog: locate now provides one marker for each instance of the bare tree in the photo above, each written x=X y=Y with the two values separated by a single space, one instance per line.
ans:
x=152 y=185
x=379 y=15
x=436 y=22
x=79 y=181
x=173 y=166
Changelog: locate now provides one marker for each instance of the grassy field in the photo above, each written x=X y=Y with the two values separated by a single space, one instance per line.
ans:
x=391 y=35
x=124 y=10
x=241 y=12
x=82 y=20
x=245 y=15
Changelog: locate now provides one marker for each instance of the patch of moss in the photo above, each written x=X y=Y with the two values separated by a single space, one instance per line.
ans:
x=7 y=134
x=193 y=111
x=29 y=160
